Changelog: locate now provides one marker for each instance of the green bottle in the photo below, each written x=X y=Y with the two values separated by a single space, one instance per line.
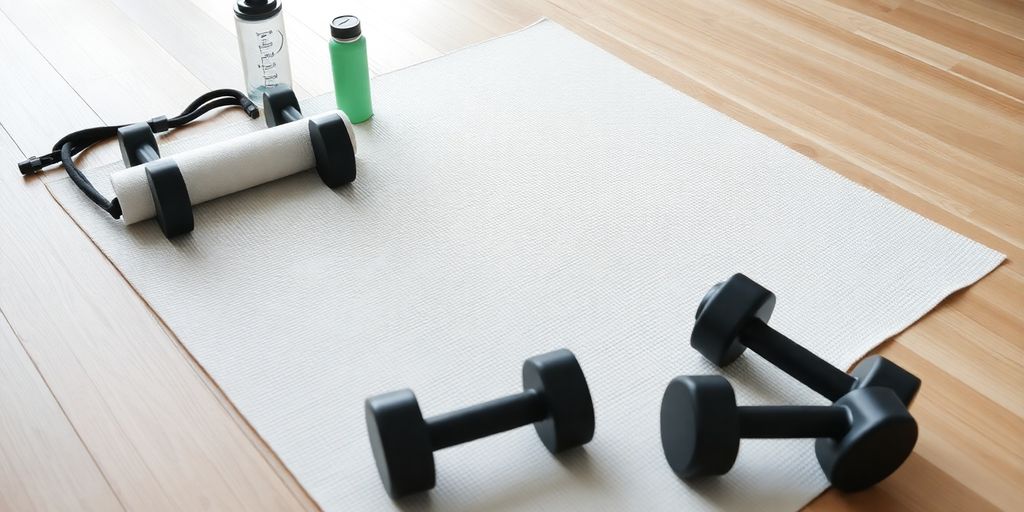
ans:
x=351 y=69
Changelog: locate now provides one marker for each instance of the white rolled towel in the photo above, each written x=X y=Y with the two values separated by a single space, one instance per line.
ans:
x=226 y=167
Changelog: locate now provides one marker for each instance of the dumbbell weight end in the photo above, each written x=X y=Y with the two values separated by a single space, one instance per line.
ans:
x=138 y=144
x=280 y=106
x=170 y=198
x=333 y=148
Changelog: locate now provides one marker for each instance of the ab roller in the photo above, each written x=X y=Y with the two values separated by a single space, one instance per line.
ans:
x=167 y=188
x=862 y=438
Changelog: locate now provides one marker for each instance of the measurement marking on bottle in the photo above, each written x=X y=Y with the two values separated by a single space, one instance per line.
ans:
x=269 y=43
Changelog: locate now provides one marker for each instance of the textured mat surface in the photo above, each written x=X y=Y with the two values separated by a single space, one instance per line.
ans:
x=526 y=194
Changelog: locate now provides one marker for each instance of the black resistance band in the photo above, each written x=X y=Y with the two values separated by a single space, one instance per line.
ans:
x=72 y=144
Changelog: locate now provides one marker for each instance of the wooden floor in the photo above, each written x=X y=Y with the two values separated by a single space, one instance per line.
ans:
x=921 y=101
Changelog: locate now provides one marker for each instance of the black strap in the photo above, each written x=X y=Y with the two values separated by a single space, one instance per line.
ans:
x=74 y=143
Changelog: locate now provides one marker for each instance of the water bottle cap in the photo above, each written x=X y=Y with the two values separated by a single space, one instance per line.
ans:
x=255 y=10
x=346 y=27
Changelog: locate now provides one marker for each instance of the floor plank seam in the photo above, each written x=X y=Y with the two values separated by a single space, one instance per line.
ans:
x=63 y=412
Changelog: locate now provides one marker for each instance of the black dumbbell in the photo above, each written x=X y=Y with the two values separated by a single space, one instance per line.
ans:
x=860 y=440
x=333 y=147
x=170 y=195
x=138 y=142
x=555 y=399
x=280 y=106
x=734 y=316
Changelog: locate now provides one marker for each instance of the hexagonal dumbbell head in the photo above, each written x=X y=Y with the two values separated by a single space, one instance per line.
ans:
x=877 y=371
x=555 y=399
x=881 y=436
x=138 y=144
x=280 y=106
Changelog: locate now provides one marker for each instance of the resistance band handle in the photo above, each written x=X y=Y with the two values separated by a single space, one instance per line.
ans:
x=35 y=164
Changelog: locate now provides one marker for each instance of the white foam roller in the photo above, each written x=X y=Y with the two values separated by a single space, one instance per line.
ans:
x=226 y=167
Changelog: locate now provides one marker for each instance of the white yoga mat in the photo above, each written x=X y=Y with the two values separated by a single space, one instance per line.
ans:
x=526 y=194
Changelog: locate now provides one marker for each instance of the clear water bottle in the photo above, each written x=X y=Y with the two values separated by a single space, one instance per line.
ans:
x=259 y=25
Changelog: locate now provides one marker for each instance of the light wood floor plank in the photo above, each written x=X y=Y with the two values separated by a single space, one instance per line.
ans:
x=37 y=108
x=43 y=463
x=430 y=21
x=949 y=30
x=482 y=15
x=996 y=366
x=879 y=75
x=995 y=303
x=918 y=486
x=9 y=153
x=911 y=44
x=1005 y=16
x=190 y=37
x=119 y=70
x=985 y=456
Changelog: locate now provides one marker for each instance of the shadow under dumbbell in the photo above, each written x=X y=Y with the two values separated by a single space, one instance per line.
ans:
x=147 y=235
x=722 y=491
x=580 y=472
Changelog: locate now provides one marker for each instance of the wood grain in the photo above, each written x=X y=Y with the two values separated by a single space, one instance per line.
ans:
x=43 y=463
x=921 y=101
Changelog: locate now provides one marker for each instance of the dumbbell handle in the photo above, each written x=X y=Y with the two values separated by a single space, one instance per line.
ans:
x=486 y=419
x=291 y=114
x=794 y=359
x=146 y=153
x=138 y=144
x=793 y=422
